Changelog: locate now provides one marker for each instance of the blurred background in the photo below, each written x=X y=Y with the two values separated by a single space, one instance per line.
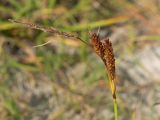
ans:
x=65 y=79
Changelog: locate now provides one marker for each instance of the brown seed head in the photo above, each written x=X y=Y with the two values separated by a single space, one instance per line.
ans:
x=105 y=51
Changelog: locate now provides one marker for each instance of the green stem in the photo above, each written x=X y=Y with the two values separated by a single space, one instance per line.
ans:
x=115 y=110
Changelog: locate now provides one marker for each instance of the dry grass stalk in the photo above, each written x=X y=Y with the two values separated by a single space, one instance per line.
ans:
x=48 y=30
x=105 y=51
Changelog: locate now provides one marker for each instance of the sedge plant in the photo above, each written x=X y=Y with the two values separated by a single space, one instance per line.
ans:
x=102 y=48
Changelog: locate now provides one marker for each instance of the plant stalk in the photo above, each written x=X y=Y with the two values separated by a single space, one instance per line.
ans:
x=115 y=109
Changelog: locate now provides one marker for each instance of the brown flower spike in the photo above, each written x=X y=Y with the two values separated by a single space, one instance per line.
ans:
x=105 y=51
